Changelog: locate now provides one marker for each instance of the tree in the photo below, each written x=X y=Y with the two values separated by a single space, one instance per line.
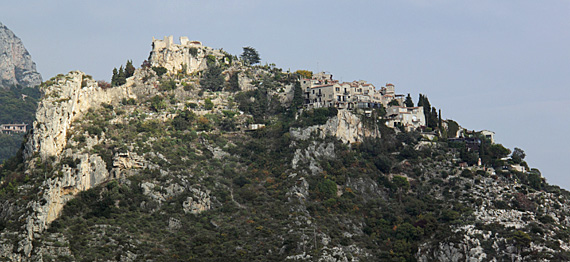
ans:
x=535 y=179
x=522 y=240
x=327 y=188
x=234 y=82
x=121 y=77
x=394 y=103
x=250 y=56
x=213 y=78
x=114 y=77
x=305 y=74
x=401 y=184
x=518 y=155
x=129 y=69
x=409 y=102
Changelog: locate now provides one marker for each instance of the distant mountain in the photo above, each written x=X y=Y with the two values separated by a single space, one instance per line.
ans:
x=17 y=67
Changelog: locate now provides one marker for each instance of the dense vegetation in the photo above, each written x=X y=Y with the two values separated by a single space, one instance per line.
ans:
x=17 y=105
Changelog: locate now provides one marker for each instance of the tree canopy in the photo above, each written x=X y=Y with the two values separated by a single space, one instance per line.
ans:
x=409 y=102
x=250 y=56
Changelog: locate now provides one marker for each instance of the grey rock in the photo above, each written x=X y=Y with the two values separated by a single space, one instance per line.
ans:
x=17 y=67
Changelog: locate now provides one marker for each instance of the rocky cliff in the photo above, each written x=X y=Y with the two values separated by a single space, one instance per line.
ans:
x=17 y=67
x=346 y=126
x=66 y=98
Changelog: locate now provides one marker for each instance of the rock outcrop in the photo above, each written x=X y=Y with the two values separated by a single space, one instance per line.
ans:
x=188 y=56
x=66 y=99
x=346 y=126
x=17 y=67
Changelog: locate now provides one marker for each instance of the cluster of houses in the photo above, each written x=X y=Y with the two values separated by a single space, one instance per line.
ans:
x=13 y=128
x=323 y=91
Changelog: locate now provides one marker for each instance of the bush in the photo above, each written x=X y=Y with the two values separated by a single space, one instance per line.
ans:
x=157 y=103
x=383 y=163
x=167 y=85
x=327 y=188
x=208 y=104
x=159 y=70
x=467 y=173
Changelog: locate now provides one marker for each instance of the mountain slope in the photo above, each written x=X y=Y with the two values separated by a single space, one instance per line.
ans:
x=164 y=168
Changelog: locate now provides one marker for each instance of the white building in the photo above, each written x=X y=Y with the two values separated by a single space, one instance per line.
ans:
x=323 y=91
x=409 y=117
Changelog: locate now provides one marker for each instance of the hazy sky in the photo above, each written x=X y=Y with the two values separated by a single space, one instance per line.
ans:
x=497 y=65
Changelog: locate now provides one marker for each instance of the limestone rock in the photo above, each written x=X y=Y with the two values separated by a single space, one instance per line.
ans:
x=346 y=126
x=17 y=67
x=198 y=203
x=66 y=98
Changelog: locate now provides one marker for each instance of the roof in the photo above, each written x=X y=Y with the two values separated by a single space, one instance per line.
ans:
x=14 y=125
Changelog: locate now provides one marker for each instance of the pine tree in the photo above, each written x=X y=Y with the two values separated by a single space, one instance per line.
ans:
x=250 y=56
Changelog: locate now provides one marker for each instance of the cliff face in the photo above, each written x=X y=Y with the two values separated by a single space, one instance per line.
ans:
x=345 y=126
x=67 y=98
x=17 y=67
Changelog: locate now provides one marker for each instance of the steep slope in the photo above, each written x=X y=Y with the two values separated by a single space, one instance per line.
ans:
x=164 y=168
x=17 y=67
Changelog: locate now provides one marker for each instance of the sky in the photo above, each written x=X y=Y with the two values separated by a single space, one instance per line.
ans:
x=502 y=66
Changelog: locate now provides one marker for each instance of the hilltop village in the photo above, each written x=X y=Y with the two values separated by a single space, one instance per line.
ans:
x=323 y=91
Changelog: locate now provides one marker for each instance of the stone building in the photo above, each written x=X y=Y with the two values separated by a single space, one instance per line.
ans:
x=13 y=128
x=323 y=91
x=409 y=117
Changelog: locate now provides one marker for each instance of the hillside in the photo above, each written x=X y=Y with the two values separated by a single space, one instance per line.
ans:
x=203 y=156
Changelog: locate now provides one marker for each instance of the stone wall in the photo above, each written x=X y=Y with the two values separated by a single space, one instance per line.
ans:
x=189 y=55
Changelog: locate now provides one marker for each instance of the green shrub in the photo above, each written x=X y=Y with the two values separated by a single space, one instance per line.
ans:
x=159 y=70
x=327 y=188
x=208 y=104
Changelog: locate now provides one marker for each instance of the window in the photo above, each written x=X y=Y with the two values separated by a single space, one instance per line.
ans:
x=337 y=89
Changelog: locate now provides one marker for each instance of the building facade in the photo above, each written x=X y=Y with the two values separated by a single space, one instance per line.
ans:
x=13 y=128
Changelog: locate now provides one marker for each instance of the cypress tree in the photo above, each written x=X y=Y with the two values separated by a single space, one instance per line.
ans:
x=121 y=77
x=129 y=69
x=409 y=102
x=114 y=77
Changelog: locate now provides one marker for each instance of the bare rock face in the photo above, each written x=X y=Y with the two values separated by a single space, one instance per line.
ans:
x=17 y=67
x=66 y=99
x=346 y=126
x=198 y=203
